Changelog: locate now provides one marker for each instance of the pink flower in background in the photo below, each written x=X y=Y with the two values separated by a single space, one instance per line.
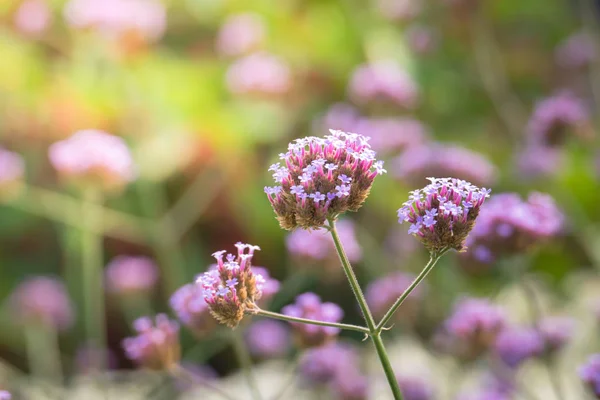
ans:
x=556 y=331
x=33 y=17
x=156 y=345
x=436 y=159
x=416 y=387
x=421 y=39
x=93 y=156
x=399 y=10
x=383 y=81
x=12 y=167
x=576 y=51
x=42 y=300
x=392 y=134
x=269 y=286
x=241 y=34
x=115 y=18
x=192 y=310
x=339 y=116
x=536 y=161
x=318 y=244
x=382 y=293
x=4 y=395
x=268 y=338
x=515 y=345
x=129 y=274
x=259 y=73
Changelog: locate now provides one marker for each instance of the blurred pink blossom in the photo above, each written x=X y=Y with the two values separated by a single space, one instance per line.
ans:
x=259 y=73
x=129 y=274
x=33 y=17
x=240 y=34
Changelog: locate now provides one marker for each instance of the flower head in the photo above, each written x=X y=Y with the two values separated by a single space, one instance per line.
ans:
x=443 y=213
x=515 y=345
x=232 y=288
x=240 y=34
x=129 y=274
x=309 y=305
x=320 y=166
x=44 y=300
x=93 y=157
x=192 y=310
x=268 y=339
x=156 y=345
x=590 y=374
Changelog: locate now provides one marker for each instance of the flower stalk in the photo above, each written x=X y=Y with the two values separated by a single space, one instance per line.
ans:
x=288 y=318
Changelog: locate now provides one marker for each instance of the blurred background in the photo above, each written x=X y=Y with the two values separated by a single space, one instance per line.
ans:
x=206 y=94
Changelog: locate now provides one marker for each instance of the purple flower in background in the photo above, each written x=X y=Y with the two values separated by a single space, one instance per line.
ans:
x=339 y=116
x=317 y=164
x=192 y=310
x=590 y=374
x=350 y=385
x=536 y=161
x=421 y=39
x=556 y=331
x=436 y=159
x=443 y=213
x=318 y=245
x=130 y=274
x=575 y=52
x=515 y=345
x=382 y=293
x=4 y=395
x=268 y=339
x=320 y=365
x=92 y=156
x=399 y=10
x=554 y=118
x=115 y=19
x=227 y=303
x=415 y=388
x=241 y=34
x=509 y=225
x=485 y=394
x=392 y=134
x=259 y=74
x=33 y=17
x=309 y=305
x=156 y=345
x=266 y=284
x=383 y=81
x=43 y=300
x=12 y=171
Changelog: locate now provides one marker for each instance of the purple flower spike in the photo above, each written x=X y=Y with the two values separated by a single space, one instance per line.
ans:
x=516 y=345
x=383 y=292
x=192 y=310
x=42 y=300
x=443 y=213
x=415 y=388
x=156 y=345
x=556 y=332
x=229 y=301
x=508 y=225
x=131 y=275
x=241 y=34
x=590 y=374
x=553 y=119
x=268 y=339
x=309 y=305
x=93 y=157
x=317 y=164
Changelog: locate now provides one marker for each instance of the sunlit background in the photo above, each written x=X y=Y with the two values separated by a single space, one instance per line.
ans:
x=205 y=94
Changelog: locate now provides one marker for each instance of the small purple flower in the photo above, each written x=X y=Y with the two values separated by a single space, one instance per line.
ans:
x=231 y=282
x=345 y=180
x=515 y=345
x=590 y=374
x=4 y=395
x=556 y=331
x=331 y=167
x=475 y=322
x=131 y=275
x=449 y=228
x=421 y=39
x=93 y=156
x=156 y=345
x=321 y=365
x=268 y=339
x=191 y=309
x=241 y=34
x=259 y=74
x=415 y=388
x=342 y=191
x=297 y=189
x=317 y=197
x=309 y=305
x=576 y=52
x=44 y=300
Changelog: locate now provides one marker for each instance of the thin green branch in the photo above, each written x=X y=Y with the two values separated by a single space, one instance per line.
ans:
x=287 y=318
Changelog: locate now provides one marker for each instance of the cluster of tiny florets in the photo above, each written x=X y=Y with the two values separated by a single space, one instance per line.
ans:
x=232 y=288
x=322 y=178
x=443 y=213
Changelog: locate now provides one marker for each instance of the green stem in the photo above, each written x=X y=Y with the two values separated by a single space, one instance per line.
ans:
x=390 y=313
x=43 y=353
x=364 y=307
x=283 y=317
x=93 y=279
x=245 y=362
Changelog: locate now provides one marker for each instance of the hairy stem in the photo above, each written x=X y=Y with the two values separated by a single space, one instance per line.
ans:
x=364 y=307
x=245 y=362
x=390 y=313
x=283 y=317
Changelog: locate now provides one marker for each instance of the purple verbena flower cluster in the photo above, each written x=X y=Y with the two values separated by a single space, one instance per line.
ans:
x=309 y=305
x=131 y=274
x=92 y=157
x=382 y=293
x=42 y=300
x=192 y=310
x=514 y=345
x=590 y=374
x=268 y=339
x=322 y=178
x=232 y=288
x=509 y=225
x=443 y=213
x=156 y=345
x=437 y=159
